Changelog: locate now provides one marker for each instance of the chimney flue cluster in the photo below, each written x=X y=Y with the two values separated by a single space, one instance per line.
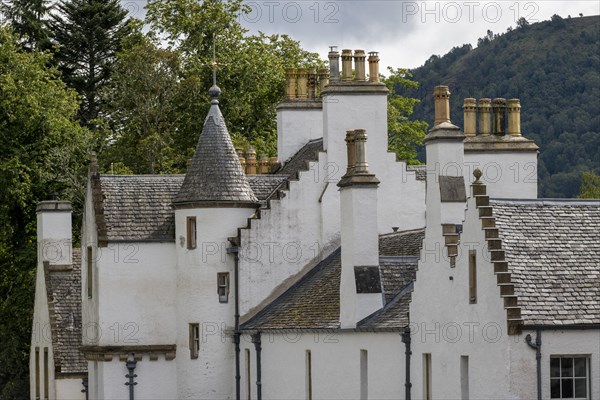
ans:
x=359 y=73
x=357 y=171
x=493 y=117
x=305 y=83
x=252 y=166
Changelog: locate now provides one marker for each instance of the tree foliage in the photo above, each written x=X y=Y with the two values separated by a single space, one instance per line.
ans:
x=28 y=19
x=553 y=67
x=42 y=150
x=590 y=186
x=89 y=34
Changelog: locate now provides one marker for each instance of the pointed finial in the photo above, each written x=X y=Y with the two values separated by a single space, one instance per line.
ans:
x=214 y=92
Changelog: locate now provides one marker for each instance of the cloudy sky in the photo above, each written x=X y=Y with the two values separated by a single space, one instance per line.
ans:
x=406 y=33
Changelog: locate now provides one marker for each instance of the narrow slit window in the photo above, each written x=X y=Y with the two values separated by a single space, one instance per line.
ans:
x=308 y=375
x=191 y=233
x=90 y=271
x=223 y=286
x=248 y=381
x=46 y=376
x=472 y=276
x=427 y=376
x=37 y=372
x=194 y=341
x=464 y=377
x=364 y=375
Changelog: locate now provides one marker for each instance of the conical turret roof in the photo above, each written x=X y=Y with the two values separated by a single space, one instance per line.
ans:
x=215 y=177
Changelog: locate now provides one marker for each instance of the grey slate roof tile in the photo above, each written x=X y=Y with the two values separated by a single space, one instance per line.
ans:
x=63 y=290
x=139 y=207
x=215 y=173
x=313 y=302
x=309 y=152
x=553 y=254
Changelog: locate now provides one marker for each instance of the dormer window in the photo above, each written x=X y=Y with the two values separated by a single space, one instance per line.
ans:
x=191 y=233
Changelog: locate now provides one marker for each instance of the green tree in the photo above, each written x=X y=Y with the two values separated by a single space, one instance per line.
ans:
x=404 y=134
x=89 y=34
x=42 y=150
x=590 y=186
x=28 y=20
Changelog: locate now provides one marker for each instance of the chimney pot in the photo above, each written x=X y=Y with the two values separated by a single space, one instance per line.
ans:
x=251 y=161
x=323 y=78
x=334 y=63
x=373 y=66
x=484 y=106
x=263 y=164
x=312 y=83
x=302 y=83
x=273 y=163
x=291 y=75
x=442 y=104
x=360 y=142
x=351 y=152
x=499 y=108
x=470 y=113
x=359 y=65
x=347 y=65
x=514 y=117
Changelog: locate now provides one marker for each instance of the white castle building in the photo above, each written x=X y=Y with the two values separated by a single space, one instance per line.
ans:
x=344 y=274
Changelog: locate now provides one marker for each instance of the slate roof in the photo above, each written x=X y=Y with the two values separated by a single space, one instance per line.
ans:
x=420 y=171
x=139 y=207
x=63 y=290
x=313 y=302
x=215 y=173
x=553 y=253
x=309 y=152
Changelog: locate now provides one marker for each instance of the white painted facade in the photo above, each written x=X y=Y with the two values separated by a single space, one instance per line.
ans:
x=297 y=123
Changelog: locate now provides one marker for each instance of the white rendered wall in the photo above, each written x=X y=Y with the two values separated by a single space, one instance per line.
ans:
x=444 y=324
x=554 y=343
x=295 y=128
x=283 y=241
x=157 y=380
x=402 y=197
x=54 y=237
x=509 y=175
x=335 y=365
x=69 y=389
x=211 y=375
x=136 y=295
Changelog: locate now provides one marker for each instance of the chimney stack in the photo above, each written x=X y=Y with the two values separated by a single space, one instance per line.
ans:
x=359 y=65
x=373 y=66
x=347 y=65
x=470 y=113
x=442 y=104
x=273 y=164
x=360 y=283
x=263 y=164
x=485 y=107
x=290 y=83
x=514 y=117
x=334 y=64
x=499 y=108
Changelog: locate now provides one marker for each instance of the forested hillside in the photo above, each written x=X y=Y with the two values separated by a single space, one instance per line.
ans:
x=554 y=68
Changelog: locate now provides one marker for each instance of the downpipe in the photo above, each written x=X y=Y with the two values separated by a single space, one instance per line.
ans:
x=406 y=339
x=538 y=358
x=236 y=335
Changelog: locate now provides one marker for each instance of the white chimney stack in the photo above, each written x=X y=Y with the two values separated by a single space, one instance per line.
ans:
x=54 y=232
x=360 y=286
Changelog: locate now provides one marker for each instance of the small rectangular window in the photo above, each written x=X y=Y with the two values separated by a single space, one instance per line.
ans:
x=464 y=377
x=191 y=233
x=194 y=341
x=364 y=375
x=472 y=276
x=37 y=373
x=46 y=374
x=308 y=375
x=90 y=271
x=427 y=376
x=248 y=381
x=569 y=377
x=223 y=286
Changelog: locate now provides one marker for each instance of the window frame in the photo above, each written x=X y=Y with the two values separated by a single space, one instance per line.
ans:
x=223 y=284
x=572 y=378
x=194 y=328
x=191 y=233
